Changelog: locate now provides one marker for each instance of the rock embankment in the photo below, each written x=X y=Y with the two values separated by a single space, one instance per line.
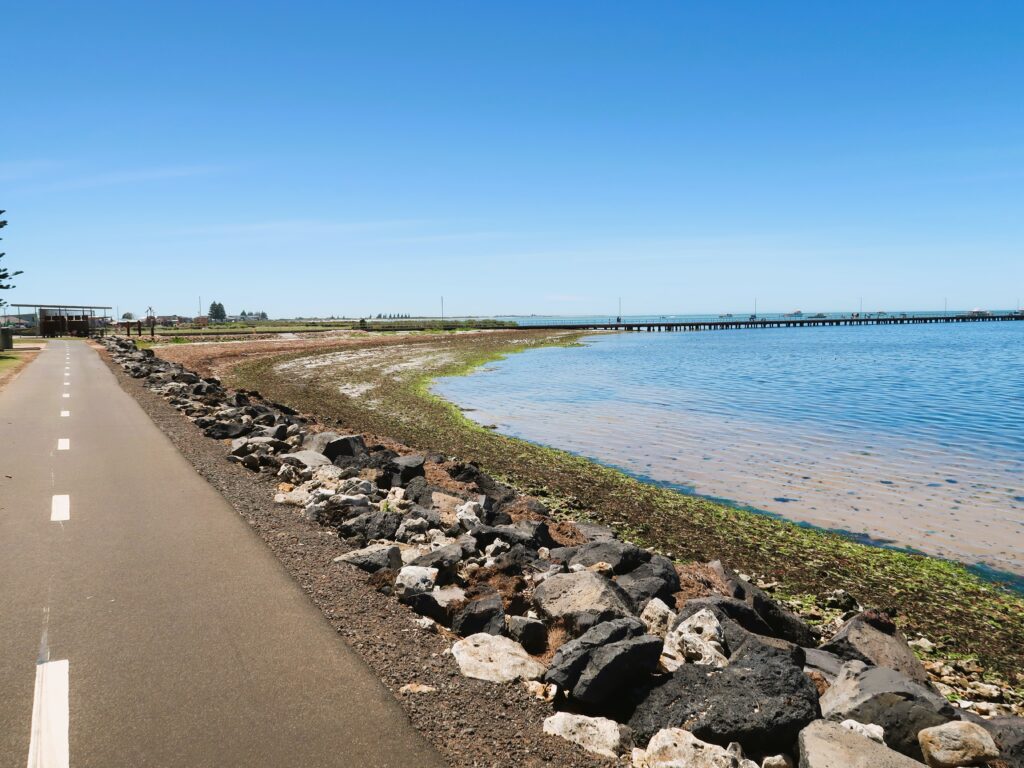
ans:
x=642 y=660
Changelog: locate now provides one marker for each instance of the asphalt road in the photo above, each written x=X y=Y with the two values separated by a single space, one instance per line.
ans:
x=142 y=623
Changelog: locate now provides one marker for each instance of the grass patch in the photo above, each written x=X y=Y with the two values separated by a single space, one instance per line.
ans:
x=11 y=361
x=942 y=600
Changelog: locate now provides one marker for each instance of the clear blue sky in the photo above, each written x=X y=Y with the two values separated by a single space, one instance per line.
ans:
x=520 y=157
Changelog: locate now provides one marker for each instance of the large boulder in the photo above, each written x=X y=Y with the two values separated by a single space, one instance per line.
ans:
x=446 y=559
x=595 y=734
x=373 y=558
x=620 y=555
x=872 y=637
x=572 y=657
x=783 y=623
x=440 y=604
x=317 y=441
x=885 y=697
x=305 y=459
x=530 y=533
x=531 y=633
x=825 y=744
x=581 y=600
x=227 y=430
x=401 y=470
x=344 y=446
x=762 y=700
x=484 y=614
x=615 y=667
x=601 y=662
x=957 y=744
x=371 y=525
x=495 y=658
x=678 y=748
x=656 y=578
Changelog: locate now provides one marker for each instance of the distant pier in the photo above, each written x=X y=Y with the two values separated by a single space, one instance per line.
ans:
x=785 y=322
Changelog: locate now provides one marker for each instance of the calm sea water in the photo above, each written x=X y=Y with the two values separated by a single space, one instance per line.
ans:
x=911 y=436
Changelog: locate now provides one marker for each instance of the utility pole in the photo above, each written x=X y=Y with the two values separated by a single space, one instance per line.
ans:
x=442 y=313
x=619 y=318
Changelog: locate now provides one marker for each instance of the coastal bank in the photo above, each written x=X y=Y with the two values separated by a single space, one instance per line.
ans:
x=387 y=380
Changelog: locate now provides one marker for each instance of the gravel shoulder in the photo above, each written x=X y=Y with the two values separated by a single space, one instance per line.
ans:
x=471 y=722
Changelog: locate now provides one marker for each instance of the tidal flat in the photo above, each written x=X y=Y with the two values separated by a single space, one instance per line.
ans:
x=380 y=385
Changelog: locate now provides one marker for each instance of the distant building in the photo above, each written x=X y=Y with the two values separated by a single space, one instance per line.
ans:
x=18 y=321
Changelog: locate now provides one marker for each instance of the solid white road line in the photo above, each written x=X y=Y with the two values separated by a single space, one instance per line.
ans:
x=60 y=508
x=65 y=414
x=48 y=747
x=64 y=444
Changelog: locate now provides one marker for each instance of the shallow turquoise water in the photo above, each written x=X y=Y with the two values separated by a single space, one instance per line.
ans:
x=910 y=435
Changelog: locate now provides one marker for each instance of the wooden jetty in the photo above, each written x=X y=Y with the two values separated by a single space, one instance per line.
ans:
x=801 y=322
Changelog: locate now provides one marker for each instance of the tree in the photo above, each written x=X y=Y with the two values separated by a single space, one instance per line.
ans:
x=263 y=316
x=5 y=275
x=244 y=314
x=217 y=311
x=128 y=316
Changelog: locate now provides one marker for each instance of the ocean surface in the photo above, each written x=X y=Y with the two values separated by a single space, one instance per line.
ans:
x=910 y=436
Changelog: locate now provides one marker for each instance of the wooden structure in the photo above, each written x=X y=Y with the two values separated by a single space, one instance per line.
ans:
x=806 y=322
x=53 y=320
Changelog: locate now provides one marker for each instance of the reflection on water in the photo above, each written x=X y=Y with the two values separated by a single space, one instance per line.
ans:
x=910 y=435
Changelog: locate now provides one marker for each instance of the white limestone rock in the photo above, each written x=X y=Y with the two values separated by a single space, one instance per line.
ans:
x=495 y=658
x=595 y=734
x=676 y=748
x=697 y=640
x=657 y=617
x=870 y=730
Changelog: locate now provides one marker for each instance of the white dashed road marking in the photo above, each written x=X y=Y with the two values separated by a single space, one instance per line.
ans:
x=64 y=444
x=65 y=414
x=60 y=508
x=66 y=394
x=67 y=383
x=48 y=747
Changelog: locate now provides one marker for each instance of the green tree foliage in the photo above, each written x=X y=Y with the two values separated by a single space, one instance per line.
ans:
x=5 y=274
x=217 y=311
